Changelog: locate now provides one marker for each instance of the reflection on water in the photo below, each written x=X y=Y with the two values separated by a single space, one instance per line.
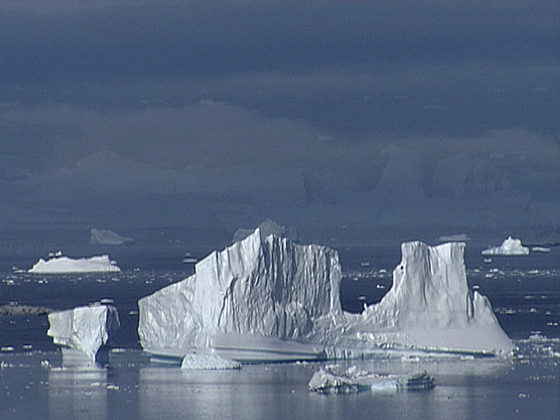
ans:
x=129 y=388
x=78 y=394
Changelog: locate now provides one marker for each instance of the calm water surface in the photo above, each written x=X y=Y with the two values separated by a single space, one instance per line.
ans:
x=35 y=385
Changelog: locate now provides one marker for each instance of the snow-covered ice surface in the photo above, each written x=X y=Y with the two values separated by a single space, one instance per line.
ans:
x=267 y=298
x=510 y=246
x=61 y=264
x=84 y=329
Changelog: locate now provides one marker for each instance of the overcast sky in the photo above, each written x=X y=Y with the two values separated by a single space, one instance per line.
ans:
x=383 y=113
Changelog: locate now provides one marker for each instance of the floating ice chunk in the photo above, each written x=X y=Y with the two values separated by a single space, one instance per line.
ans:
x=333 y=379
x=107 y=237
x=540 y=249
x=208 y=362
x=510 y=246
x=85 y=329
x=60 y=264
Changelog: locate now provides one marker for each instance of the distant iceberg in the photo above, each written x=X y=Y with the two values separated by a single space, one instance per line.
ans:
x=60 y=264
x=540 y=249
x=461 y=237
x=267 y=298
x=510 y=246
x=84 y=330
x=107 y=237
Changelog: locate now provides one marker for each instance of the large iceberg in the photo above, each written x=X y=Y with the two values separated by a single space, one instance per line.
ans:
x=510 y=246
x=267 y=298
x=254 y=295
x=61 y=264
x=85 y=329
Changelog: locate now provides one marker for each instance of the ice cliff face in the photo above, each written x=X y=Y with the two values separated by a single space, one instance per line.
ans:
x=85 y=328
x=429 y=290
x=262 y=289
x=267 y=287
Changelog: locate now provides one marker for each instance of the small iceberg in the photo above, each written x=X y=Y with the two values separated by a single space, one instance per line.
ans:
x=58 y=264
x=208 y=362
x=84 y=332
x=510 y=246
x=540 y=249
x=332 y=379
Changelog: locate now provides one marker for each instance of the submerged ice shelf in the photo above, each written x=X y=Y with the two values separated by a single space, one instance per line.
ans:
x=268 y=298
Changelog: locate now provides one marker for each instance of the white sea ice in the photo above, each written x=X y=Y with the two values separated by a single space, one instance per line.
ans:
x=84 y=329
x=267 y=298
x=62 y=264
x=510 y=246
x=107 y=237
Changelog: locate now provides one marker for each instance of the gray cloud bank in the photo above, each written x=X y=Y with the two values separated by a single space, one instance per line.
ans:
x=241 y=166
x=349 y=116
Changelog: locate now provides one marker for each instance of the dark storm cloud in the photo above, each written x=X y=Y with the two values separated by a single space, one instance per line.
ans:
x=451 y=57
x=383 y=109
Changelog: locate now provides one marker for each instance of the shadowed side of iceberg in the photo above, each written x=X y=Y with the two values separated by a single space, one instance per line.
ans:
x=82 y=332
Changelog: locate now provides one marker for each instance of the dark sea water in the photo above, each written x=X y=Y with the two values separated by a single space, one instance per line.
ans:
x=34 y=384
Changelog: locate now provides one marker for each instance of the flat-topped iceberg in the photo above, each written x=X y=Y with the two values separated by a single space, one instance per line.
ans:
x=510 y=246
x=61 y=264
x=84 y=329
x=267 y=298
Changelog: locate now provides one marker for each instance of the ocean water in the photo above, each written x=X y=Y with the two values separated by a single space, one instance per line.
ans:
x=34 y=383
